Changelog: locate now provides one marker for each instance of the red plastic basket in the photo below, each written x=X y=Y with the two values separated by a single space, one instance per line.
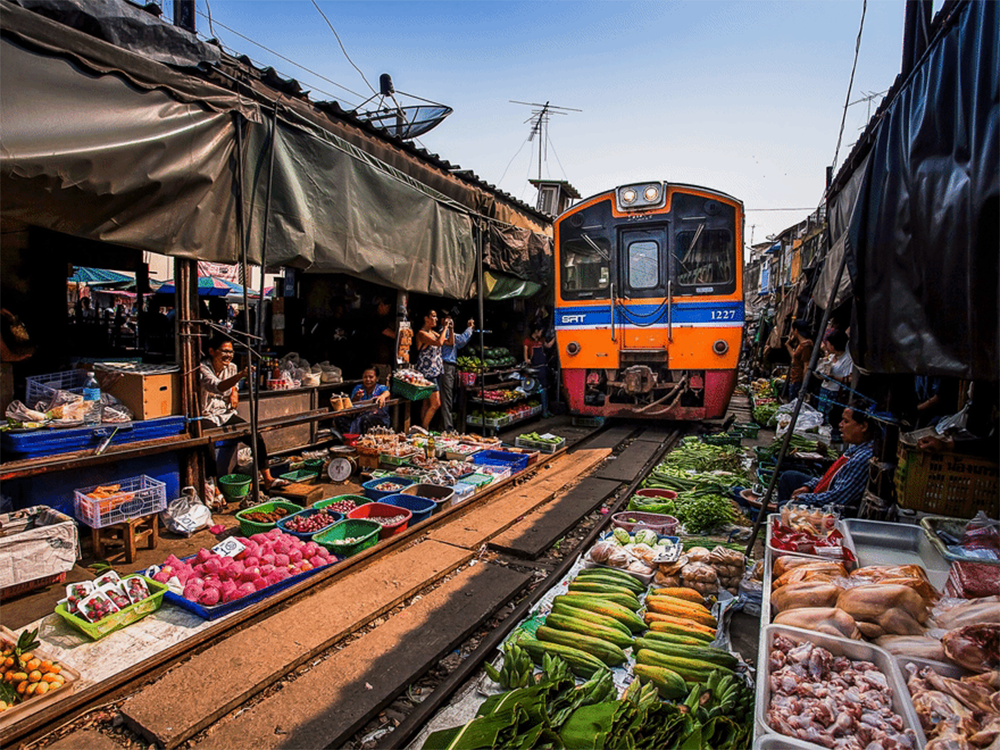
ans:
x=377 y=511
x=20 y=588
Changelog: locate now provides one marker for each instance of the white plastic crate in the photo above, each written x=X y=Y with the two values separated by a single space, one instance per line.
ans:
x=134 y=497
x=44 y=387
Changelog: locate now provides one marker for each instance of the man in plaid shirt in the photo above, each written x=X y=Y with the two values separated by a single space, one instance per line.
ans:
x=844 y=482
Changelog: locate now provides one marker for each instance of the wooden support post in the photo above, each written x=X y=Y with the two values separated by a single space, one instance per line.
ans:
x=187 y=353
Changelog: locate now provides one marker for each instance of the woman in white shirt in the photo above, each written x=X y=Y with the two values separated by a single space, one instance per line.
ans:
x=837 y=367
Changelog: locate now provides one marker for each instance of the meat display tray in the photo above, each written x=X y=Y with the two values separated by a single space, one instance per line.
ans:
x=884 y=543
x=841 y=527
x=781 y=742
x=855 y=650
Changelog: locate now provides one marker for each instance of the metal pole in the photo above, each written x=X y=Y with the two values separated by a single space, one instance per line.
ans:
x=267 y=220
x=244 y=239
x=765 y=501
x=480 y=249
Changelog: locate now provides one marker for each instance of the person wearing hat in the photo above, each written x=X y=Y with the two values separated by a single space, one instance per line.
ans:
x=449 y=350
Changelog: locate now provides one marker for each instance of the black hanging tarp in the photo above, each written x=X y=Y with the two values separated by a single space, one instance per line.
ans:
x=923 y=242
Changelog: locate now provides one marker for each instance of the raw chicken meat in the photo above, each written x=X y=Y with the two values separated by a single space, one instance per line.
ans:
x=829 y=620
x=922 y=646
x=969 y=612
x=832 y=701
x=806 y=594
x=885 y=608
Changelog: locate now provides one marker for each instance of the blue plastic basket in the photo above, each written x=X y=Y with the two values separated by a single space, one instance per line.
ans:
x=504 y=459
x=307 y=535
x=212 y=613
x=420 y=507
x=52 y=441
x=373 y=494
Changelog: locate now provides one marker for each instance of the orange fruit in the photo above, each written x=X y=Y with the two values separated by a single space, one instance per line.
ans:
x=46 y=665
x=55 y=669
x=51 y=678
x=41 y=688
x=9 y=661
x=33 y=664
x=18 y=676
x=22 y=686
x=30 y=689
x=28 y=656
x=34 y=676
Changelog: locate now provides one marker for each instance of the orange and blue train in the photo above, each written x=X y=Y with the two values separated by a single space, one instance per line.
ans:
x=649 y=301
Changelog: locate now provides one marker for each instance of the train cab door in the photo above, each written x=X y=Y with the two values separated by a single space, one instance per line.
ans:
x=643 y=273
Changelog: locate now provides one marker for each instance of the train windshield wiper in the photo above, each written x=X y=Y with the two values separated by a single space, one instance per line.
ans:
x=597 y=248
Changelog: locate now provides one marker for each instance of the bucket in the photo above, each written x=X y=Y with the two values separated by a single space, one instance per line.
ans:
x=653 y=492
x=234 y=486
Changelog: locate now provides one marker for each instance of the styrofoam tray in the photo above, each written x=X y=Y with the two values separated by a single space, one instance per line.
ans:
x=856 y=650
x=884 y=543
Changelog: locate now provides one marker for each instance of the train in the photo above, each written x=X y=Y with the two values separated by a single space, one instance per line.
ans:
x=649 y=307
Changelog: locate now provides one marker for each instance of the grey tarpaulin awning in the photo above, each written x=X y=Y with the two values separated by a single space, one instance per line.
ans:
x=840 y=211
x=336 y=209
x=138 y=158
x=924 y=236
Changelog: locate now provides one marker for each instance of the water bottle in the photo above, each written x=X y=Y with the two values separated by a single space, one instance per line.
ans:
x=92 y=396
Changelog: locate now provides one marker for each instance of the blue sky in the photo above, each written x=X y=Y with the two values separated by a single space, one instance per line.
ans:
x=745 y=97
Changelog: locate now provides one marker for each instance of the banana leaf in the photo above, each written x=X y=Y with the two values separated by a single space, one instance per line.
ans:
x=482 y=733
x=587 y=728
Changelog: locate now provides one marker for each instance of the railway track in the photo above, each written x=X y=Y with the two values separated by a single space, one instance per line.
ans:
x=365 y=655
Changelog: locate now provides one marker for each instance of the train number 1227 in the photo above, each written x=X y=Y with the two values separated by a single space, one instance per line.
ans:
x=723 y=315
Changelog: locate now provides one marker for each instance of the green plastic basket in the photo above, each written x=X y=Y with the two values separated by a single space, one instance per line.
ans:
x=249 y=528
x=327 y=501
x=118 y=620
x=746 y=429
x=724 y=438
x=234 y=486
x=368 y=532
x=301 y=475
x=477 y=480
x=411 y=392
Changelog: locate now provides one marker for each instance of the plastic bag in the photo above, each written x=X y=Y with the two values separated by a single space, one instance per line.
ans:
x=21 y=413
x=809 y=421
x=187 y=514
x=981 y=537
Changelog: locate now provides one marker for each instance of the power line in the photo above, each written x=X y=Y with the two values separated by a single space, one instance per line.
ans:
x=806 y=208
x=343 y=49
x=850 y=85
x=286 y=59
x=512 y=161
x=549 y=144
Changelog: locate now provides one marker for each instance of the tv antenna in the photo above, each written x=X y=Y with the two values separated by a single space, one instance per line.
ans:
x=540 y=124
x=402 y=122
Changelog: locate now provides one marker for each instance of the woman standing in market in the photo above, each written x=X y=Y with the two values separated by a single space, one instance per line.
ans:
x=218 y=378
x=430 y=364
x=836 y=369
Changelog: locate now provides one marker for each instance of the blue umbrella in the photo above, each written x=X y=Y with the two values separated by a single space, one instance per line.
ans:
x=98 y=276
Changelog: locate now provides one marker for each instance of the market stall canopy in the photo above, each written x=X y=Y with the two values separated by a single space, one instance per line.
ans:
x=99 y=277
x=336 y=209
x=520 y=252
x=213 y=287
x=923 y=239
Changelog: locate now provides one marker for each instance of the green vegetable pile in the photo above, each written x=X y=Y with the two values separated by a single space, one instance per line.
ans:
x=797 y=443
x=700 y=511
x=554 y=712
x=534 y=437
x=765 y=414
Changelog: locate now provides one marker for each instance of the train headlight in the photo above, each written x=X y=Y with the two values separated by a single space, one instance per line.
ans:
x=572 y=348
x=641 y=196
x=720 y=347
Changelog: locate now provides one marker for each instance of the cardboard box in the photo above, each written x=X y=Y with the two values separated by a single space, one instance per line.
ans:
x=149 y=391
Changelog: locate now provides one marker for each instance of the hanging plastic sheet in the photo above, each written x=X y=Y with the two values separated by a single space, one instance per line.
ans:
x=923 y=239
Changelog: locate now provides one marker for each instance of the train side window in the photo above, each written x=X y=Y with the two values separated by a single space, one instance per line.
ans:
x=585 y=271
x=704 y=256
x=643 y=265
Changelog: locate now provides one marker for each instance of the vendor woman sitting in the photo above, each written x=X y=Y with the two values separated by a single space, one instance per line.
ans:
x=218 y=378
x=843 y=483
x=370 y=390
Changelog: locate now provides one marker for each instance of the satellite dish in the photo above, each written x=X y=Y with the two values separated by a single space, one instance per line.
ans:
x=405 y=122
